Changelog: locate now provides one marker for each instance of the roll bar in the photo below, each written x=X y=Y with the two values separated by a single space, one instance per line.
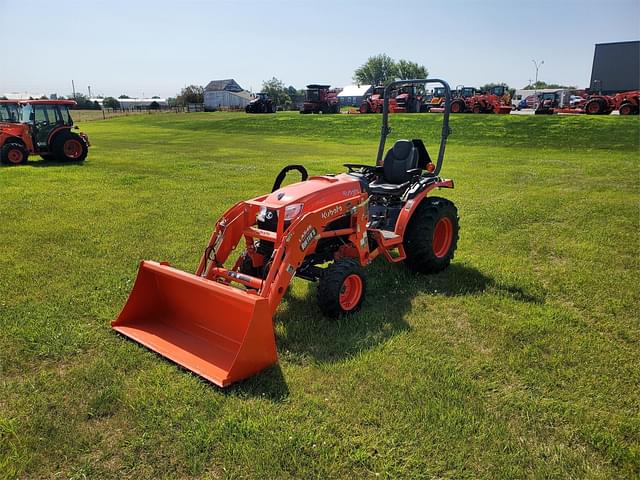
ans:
x=385 y=130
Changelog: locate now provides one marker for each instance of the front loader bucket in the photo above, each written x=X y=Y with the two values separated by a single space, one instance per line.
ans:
x=222 y=333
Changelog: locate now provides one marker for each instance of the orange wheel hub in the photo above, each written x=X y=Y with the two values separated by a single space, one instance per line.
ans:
x=15 y=156
x=72 y=148
x=350 y=292
x=442 y=237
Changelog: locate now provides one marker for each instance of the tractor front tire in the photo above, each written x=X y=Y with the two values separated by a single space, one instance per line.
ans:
x=69 y=147
x=14 y=154
x=431 y=237
x=627 y=109
x=342 y=288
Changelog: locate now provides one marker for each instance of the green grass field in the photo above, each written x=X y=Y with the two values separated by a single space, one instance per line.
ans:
x=519 y=361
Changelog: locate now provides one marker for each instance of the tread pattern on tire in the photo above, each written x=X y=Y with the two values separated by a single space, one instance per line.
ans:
x=331 y=283
x=4 y=152
x=58 y=147
x=419 y=235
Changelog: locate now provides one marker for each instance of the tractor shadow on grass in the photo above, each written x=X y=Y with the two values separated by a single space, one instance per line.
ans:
x=54 y=163
x=304 y=335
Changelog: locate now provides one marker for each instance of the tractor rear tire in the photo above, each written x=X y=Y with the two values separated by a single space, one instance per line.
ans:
x=595 y=106
x=431 y=237
x=457 y=106
x=69 y=147
x=14 y=154
x=342 y=288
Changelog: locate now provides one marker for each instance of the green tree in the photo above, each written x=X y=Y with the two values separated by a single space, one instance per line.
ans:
x=111 y=102
x=487 y=86
x=377 y=70
x=406 y=70
x=277 y=92
x=191 y=94
x=540 y=85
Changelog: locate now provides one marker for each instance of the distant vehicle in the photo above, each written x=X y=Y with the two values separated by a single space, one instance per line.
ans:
x=261 y=104
x=528 y=102
x=320 y=99
x=576 y=100
x=44 y=128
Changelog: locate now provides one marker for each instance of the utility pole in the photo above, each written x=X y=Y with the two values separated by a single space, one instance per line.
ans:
x=73 y=87
x=89 y=88
x=535 y=86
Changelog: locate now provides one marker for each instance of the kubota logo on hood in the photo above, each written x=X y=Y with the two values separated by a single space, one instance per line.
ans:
x=331 y=212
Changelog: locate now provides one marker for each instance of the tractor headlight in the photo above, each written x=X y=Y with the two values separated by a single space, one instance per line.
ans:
x=292 y=211
x=262 y=214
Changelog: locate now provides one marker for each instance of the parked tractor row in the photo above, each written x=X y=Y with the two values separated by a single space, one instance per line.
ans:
x=39 y=127
x=411 y=99
x=627 y=103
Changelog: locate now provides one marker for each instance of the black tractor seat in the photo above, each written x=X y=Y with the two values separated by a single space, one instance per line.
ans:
x=400 y=167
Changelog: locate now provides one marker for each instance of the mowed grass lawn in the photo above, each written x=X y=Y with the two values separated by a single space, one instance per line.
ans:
x=519 y=361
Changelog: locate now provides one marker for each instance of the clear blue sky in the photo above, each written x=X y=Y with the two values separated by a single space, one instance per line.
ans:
x=157 y=47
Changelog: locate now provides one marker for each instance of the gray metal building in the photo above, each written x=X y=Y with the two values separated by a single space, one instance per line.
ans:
x=616 y=67
x=225 y=94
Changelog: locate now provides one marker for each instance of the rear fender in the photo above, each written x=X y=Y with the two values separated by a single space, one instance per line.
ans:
x=412 y=205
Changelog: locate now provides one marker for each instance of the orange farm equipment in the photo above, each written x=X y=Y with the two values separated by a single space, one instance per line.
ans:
x=40 y=127
x=463 y=100
x=437 y=99
x=470 y=100
x=408 y=100
x=320 y=99
x=218 y=322
x=374 y=102
x=626 y=103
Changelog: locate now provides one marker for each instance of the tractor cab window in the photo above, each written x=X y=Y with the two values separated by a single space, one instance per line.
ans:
x=64 y=114
x=8 y=112
x=468 y=92
x=438 y=92
x=40 y=114
x=26 y=114
x=313 y=94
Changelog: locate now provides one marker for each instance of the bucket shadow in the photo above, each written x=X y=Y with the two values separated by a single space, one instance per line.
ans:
x=269 y=384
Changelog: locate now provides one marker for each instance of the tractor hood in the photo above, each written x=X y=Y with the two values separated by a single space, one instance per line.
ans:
x=315 y=193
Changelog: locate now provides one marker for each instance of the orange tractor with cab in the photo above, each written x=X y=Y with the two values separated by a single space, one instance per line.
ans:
x=218 y=322
x=40 y=127
x=470 y=100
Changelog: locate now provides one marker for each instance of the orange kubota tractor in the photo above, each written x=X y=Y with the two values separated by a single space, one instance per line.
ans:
x=40 y=127
x=374 y=102
x=218 y=322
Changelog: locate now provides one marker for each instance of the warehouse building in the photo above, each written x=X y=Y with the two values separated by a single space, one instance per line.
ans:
x=225 y=94
x=616 y=67
x=352 y=95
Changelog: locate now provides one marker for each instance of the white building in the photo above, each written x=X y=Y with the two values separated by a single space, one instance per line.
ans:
x=135 y=103
x=223 y=94
x=352 y=95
